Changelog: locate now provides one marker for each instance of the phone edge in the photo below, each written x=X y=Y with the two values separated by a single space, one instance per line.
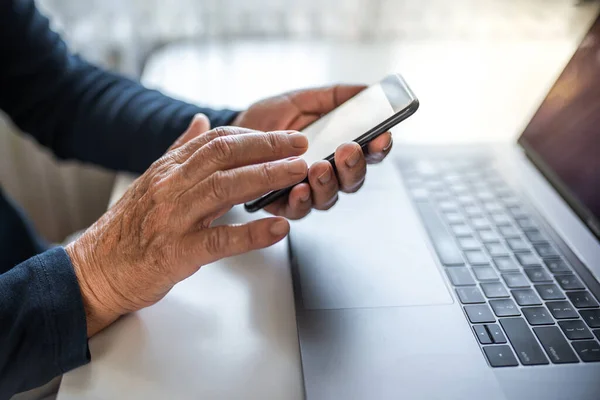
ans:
x=363 y=140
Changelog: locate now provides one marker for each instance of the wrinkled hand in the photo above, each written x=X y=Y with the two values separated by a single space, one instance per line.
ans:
x=296 y=110
x=160 y=232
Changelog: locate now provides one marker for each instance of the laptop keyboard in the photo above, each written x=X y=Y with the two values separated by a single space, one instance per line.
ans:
x=524 y=302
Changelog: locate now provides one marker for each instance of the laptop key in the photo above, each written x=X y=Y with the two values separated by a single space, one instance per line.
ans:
x=485 y=274
x=575 y=329
x=588 y=350
x=496 y=249
x=460 y=276
x=500 y=356
x=526 y=297
x=597 y=333
x=442 y=241
x=488 y=235
x=569 y=282
x=482 y=334
x=537 y=275
x=517 y=211
x=470 y=295
x=492 y=206
x=561 y=309
x=454 y=217
x=473 y=210
x=545 y=250
x=505 y=264
x=549 y=292
x=526 y=223
x=505 y=308
x=494 y=290
x=535 y=236
x=477 y=257
x=528 y=259
x=591 y=317
x=501 y=219
x=517 y=244
x=515 y=280
x=480 y=223
x=555 y=344
x=526 y=346
x=469 y=243
x=509 y=231
x=582 y=299
x=557 y=266
x=537 y=315
x=496 y=333
x=461 y=230
x=448 y=205
x=479 y=313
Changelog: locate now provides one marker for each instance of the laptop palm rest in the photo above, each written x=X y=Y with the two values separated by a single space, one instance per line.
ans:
x=370 y=250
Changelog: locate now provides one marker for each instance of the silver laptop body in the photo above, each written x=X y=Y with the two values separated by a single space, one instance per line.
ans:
x=465 y=272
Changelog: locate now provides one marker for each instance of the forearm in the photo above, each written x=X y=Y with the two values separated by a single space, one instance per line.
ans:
x=42 y=322
x=78 y=110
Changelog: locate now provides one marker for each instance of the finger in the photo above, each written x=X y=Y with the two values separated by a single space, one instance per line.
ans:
x=296 y=205
x=323 y=100
x=236 y=186
x=200 y=124
x=351 y=167
x=209 y=245
x=303 y=120
x=379 y=148
x=324 y=185
x=228 y=152
x=188 y=149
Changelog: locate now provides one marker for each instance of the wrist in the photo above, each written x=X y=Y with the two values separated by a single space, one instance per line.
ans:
x=96 y=293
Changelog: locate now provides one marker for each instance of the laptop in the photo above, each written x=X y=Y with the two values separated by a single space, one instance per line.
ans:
x=473 y=273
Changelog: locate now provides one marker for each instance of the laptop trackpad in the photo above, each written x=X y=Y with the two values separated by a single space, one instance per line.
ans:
x=370 y=250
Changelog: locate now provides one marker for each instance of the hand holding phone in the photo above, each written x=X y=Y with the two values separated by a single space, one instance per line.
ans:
x=361 y=119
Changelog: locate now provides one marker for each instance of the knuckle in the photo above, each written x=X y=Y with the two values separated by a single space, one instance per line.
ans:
x=159 y=186
x=251 y=238
x=220 y=131
x=274 y=141
x=269 y=173
x=217 y=241
x=218 y=186
x=221 y=148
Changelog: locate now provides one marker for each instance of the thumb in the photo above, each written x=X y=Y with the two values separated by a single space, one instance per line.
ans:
x=200 y=124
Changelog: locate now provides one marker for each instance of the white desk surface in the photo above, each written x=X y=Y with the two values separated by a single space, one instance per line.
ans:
x=229 y=331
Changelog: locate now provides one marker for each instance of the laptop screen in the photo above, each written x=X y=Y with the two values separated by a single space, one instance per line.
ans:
x=563 y=138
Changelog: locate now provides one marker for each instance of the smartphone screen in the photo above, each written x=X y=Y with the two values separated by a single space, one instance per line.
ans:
x=365 y=116
x=347 y=122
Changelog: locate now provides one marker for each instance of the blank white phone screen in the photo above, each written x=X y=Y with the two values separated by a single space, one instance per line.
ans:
x=346 y=123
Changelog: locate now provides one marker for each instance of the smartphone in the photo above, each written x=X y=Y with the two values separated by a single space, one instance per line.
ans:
x=361 y=119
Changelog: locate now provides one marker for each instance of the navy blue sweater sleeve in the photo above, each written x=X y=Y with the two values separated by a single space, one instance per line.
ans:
x=42 y=322
x=78 y=110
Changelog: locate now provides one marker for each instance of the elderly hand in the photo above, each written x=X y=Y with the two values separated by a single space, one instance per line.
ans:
x=296 y=110
x=160 y=232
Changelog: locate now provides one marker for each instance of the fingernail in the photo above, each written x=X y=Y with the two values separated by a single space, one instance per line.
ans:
x=279 y=228
x=387 y=146
x=304 y=198
x=297 y=166
x=298 y=140
x=325 y=177
x=354 y=158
